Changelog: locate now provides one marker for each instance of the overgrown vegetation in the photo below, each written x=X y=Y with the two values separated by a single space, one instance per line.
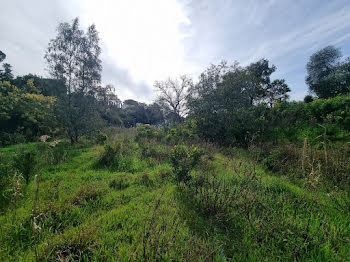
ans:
x=222 y=169
x=202 y=202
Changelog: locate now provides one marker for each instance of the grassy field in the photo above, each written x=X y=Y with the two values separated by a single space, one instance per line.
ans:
x=84 y=206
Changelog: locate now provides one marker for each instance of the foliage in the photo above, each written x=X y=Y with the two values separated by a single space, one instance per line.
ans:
x=293 y=121
x=229 y=102
x=73 y=58
x=101 y=137
x=231 y=208
x=21 y=112
x=6 y=73
x=183 y=159
x=185 y=132
x=116 y=156
x=327 y=76
x=148 y=132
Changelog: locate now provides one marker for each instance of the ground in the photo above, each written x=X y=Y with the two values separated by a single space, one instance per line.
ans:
x=235 y=210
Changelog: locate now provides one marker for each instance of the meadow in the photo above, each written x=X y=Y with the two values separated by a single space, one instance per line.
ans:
x=143 y=196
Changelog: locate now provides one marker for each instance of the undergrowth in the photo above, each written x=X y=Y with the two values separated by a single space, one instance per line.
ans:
x=148 y=200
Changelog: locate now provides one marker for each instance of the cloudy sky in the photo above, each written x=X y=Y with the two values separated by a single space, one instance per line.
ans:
x=144 y=41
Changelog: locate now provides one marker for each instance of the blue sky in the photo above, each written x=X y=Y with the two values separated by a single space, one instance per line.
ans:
x=144 y=41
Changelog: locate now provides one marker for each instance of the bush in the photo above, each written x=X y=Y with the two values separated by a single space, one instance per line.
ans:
x=218 y=196
x=183 y=159
x=181 y=133
x=110 y=155
x=101 y=137
x=117 y=157
x=148 y=132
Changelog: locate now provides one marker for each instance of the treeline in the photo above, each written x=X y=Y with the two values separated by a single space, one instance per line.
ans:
x=72 y=103
x=229 y=104
x=235 y=105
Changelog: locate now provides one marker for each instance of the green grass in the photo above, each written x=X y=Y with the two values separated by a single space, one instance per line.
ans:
x=138 y=212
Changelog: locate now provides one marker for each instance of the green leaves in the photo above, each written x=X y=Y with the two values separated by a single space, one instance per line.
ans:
x=21 y=111
x=183 y=159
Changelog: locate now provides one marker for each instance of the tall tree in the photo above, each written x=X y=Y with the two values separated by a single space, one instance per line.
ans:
x=327 y=76
x=89 y=62
x=2 y=56
x=73 y=58
x=321 y=64
x=259 y=77
x=172 y=95
x=277 y=91
x=6 y=73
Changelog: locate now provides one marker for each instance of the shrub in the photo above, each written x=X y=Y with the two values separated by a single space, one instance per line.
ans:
x=110 y=155
x=218 y=196
x=148 y=132
x=149 y=148
x=117 y=157
x=183 y=159
x=185 y=132
x=101 y=137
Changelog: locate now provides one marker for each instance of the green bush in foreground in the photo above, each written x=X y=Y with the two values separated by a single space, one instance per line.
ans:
x=183 y=159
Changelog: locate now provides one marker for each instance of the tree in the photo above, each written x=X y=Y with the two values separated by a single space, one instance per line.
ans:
x=277 y=92
x=172 y=95
x=155 y=114
x=308 y=99
x=228 y=102
x=322 y=64
x=6 y=73
x=327 y=76
x=89 y=63
x=73 y=58
x=130 y=102
x=25 y=112
x=260 y=73
x=2 y=56
x=107 y=97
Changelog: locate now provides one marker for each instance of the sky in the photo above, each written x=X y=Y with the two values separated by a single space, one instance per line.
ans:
x=144 y=41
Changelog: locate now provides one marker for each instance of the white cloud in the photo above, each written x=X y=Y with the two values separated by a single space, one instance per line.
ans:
x=142 y=36
x=144 y=41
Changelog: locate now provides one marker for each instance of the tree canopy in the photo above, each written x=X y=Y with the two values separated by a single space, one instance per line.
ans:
x=328 y=76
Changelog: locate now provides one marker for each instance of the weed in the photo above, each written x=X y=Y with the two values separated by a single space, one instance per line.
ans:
x=85 y=194
x=25 y=161
x=75 y=245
